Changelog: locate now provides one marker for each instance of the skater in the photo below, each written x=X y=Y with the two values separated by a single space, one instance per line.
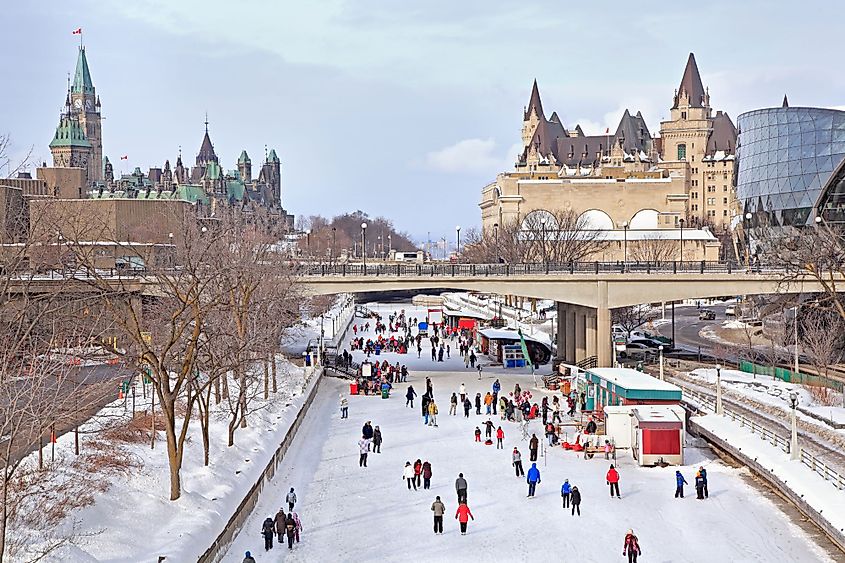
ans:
x=440 y=353
x=453 y=405
x=500 y=435
x=417 y=472
x=290 y=530
x=466 y=361
x=376 y=440
x=699 y=486
x=533 y=479
x=367 y=432
x=463 y=392
x=488 y=403
x=608 y=449
x=576 y=501
x=473 y=359
x=680 y=482
x=488 y=430
x=429 y=388
x=426 y=475
x=703 y=473
x=425 y=401
x=533 y=444
x=477 y=434
x=565 y=493
x=467 y=407
x=291 y=499
x=613 y=481
x=364 y=448
x=631 y=547
x=344 y=407
x=432 y=413
x=408 y=475
x=448 y=352
x=463 y=515
x=479 y=372
x=438 y=508
x=409 y=396
x=248 y=558
x=496 y=387
x=433 y=353
x=461 y=488
x=268 y=530
x=279 y=522
x=478 y=403
x=298 y=523
x=517 y=462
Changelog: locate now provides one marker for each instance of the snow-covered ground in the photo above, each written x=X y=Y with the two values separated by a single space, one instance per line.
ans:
x=772 y=391
x=335 y=320
x=368 y=514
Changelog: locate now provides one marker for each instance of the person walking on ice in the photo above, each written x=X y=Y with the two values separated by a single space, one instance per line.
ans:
x=376 y=440
x=477 y=434
x=290 y=499
x=517 y=462
x=565 y=493
x=432 y=413
x=453 y=405
x=463 y=392
x=462 y=516
x=248 y=558
x=439 y=509
x=408 y=475
x=500 y=435
x=426 y=475
x=680 y=482
x=409 y=396
x=533 y=479
x=461 y=488
x=533 y=445
x=576 y=501
x=613 y=480
x=298 y=523
x=488 y=428
x=268 y=529
x=344 y=406
x=364 y=448
x=631 y=547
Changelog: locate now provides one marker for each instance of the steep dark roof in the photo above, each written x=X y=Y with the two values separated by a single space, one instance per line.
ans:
x=691 y=84
x=785 y=102
x=635 y=132
x=723 y=136
x=206 y=153
x=534 y=103
x=82 y=77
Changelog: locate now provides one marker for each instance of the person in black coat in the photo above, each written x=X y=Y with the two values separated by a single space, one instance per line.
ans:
x=576 y=501
x=367 y=431
x=268 y=529
x=409 y=396
x=467 y=407
x=478 y=403
x=377 y=440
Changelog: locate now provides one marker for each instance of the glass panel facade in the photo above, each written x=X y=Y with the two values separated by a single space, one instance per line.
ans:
x=786 y=158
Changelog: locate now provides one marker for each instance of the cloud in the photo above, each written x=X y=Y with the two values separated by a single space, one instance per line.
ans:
x=472 y=156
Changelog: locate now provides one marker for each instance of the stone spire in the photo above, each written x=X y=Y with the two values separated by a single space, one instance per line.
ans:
x=691 y=85
x=82 y=83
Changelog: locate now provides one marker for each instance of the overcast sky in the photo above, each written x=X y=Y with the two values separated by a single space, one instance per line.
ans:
x=400 y=108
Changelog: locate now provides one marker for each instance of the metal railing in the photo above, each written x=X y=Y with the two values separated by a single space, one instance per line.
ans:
x=815 y=463
x=486 y=270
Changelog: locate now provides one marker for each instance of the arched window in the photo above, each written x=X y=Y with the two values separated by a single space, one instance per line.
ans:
x=595 y=219
x=644 y=219
x=682 y=151
x=534 y=221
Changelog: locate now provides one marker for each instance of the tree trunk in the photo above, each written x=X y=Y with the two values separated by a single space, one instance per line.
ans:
x=217 y=397
x=226 y=385
x=205 y=438
x=273 y=368
x=266 y=380
x=174 y=454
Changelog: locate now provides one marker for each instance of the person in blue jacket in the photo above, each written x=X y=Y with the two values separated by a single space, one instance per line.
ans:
x=565 y=491
x=497 y=387
x=533 y=478
x=703 y=473
x=679 y=491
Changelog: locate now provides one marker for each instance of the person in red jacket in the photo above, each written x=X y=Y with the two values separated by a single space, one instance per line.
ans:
x=500 y=435
x=613 y=481
x=417 y=471
x=463 y=515
x=631 y=547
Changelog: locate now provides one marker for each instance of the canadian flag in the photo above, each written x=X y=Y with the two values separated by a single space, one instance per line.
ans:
x=607 y=131
x=124 y=157
x=77 y=31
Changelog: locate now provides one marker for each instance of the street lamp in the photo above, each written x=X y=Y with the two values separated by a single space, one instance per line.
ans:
x=364 y=244
x=681 y=222
x=496 y=240
x=308 y=240
x=334 y=240
x=458 y=229
x=794 y=450
x=389 y=244
x=543 y=231
x=661 y=362
x=719 y=409
x=748 y=217
x=625 y=246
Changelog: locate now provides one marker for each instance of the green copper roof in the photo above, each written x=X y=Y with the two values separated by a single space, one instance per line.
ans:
x=213 y=170
x=272 y=156
x=235 y=190
x=82 y=77
x=243 y=158
x=69 y=133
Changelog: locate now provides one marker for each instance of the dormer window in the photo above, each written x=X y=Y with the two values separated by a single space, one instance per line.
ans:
x=683 y=115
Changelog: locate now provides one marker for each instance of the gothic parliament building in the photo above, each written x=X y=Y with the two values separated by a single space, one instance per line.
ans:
x=78 y=143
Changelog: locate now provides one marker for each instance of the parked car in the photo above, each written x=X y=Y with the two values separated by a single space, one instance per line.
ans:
x=707 y=315
x=730 y=311
x=638 y=351
x=655 y=344
x=650 y=336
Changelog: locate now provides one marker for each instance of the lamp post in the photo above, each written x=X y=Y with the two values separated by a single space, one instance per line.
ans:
x=543 y=235
x=794 y=450
x=748 y=217
x=496 y=240
x=458 y=230
x=364 y=244
x=681 y=222
x=795 y=322
x=625 y=248
x=389 y=244
x=308 y=241
x=172 y=252
x=719 y=409
x=661 y=362
x=334 y=240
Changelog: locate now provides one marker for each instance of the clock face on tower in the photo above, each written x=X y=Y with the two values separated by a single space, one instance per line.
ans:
x=77 y=103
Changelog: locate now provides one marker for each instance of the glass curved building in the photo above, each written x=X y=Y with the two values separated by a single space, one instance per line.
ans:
x=790 y=165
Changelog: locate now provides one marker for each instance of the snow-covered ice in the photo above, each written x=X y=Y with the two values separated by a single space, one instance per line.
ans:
x=368 y=514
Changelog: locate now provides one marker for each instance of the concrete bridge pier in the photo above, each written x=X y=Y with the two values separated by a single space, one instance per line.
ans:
x=583 y=332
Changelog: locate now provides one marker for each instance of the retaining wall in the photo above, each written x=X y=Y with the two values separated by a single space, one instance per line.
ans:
x=835 y=535
x=217 y=549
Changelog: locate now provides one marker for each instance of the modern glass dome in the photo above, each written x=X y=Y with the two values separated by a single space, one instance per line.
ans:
x=786 y=161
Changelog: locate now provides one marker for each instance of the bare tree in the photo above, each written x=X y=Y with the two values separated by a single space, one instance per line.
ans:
x=652 y=248
x=631 y=318
x=7 y=161
x=821 y=340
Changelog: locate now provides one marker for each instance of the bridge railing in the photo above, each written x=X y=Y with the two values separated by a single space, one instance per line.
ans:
x=492 y=270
